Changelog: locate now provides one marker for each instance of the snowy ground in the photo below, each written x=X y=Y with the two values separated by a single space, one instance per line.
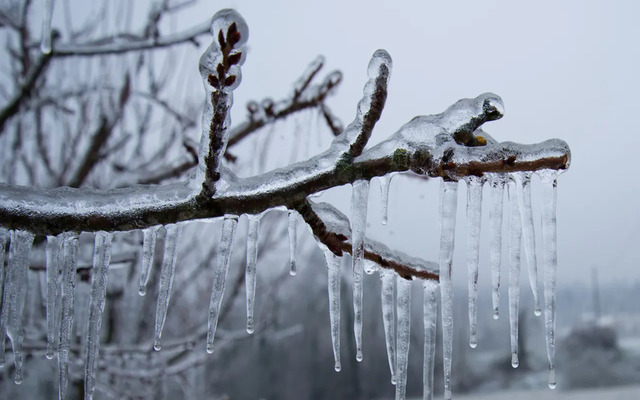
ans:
x=615 y=393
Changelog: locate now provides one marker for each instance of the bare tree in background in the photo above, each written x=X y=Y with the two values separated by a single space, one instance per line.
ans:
x=98 y=109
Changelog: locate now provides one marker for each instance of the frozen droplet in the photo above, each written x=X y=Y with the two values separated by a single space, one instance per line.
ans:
x=250 y=271
x=359 y=202
x=552 y=378
x=515 y=362
x=225 y=247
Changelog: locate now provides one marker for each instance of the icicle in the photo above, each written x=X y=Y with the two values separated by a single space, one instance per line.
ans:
x=149 y=237
x=523 y=191
x=333 y=266
x=474 y=218
x=54 y=244
x=515 y=243
x=69 y=261
x=4 y=237
x=250 y=273
x=81 y=311
x=99 y=275
x=293 y=239
x=404 y=334
x=167 y=273
x=388 y=281
x=495 y=246
x=359 y=200
x=448 y=206
x=550 y=260
x=45 y=44
x=430 y=312
x=220 y=275
x=385 y=183
x=15 y=291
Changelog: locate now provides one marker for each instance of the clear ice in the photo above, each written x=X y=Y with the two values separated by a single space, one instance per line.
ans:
x=4 y=238
x=550 y=260
x=385 y=184
x=474 y=218
x=70 y=259
x=388 y=283
x=496 y=187
x=293 y=240
x=430 y=314
x=333 y=273
x=167 y=274
x=359 y=203
x=99 y=277
x=448 y=207
x=15 y=291
x=149 y=236
x=223 y=258
x=45 y=44
x=523 y=191
x=250 y=272
x=403 y=303
x=515 y=243
x=54 y=244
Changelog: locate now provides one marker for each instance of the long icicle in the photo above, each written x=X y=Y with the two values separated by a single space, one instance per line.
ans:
x=430 y=314
x=474 y=218
x=359 y=202
x=495 y=246
x=333 y=287
x=404 y=335
x=220 y=276
x=388 y=283
x=523 y=191
x=99 y=276
x=293 y=240
x=15 y=292
x=550 y=259
x=448 y=207
x=70 y=259
x=167 y=273
x=52 y=274
x=250 y=272
x=149 y=237
x=515 y=243
x=4 y=238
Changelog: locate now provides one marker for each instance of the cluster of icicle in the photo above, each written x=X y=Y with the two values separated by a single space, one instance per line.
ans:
x=396 y=291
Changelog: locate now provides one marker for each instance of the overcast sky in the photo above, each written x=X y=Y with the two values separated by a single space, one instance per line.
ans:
x=564 y=69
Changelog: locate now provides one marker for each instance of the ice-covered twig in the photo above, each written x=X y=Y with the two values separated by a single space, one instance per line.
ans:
x=331 y=227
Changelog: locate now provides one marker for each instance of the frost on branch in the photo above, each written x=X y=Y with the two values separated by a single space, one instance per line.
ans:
x=450 y=145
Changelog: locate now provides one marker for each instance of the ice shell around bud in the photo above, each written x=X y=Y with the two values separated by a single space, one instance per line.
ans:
x=379 y=58
x=223 y=19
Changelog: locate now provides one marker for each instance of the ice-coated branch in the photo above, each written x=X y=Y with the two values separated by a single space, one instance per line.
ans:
x=220 y=70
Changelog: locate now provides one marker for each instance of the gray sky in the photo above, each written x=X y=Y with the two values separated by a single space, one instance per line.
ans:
x=564 y=69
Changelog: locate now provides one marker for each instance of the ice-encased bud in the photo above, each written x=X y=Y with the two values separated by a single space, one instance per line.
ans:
x=379 y=60
x=223 y=19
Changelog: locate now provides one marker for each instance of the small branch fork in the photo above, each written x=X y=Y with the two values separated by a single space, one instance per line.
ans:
x=440 y=153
